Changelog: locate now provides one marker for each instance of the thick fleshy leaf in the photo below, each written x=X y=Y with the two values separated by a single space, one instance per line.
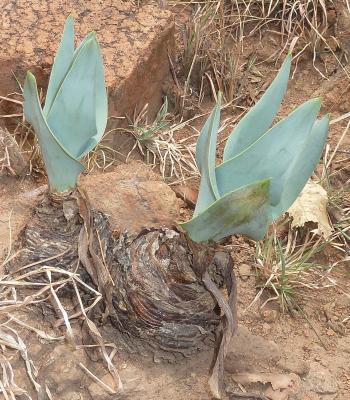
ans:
x=272 y=156
x=243 y=211
x=62 y=169
x=206 y=160
x=63 y=61
x=73 y=115
x=303 y=166
x=101 y=102
x=61 y=64
x=259 y=119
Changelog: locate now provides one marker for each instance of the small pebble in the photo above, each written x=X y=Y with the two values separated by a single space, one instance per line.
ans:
x=269 y=315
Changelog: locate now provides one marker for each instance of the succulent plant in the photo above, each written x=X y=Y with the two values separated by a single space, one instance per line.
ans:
x=263 y=169
x=74 y=117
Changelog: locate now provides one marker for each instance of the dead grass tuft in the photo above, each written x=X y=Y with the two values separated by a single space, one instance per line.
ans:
x=42 y=285
x=19 y=148
x=216 y=36
x=158 y=144
x=286 y=265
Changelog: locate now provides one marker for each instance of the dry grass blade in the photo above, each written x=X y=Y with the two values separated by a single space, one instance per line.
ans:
x=39 y=332
x=8 y=386
x=103 y=156
x=15 y=342
x=337 y=146
x=107 y=388
x=14 y=296
x=8 y=256
x=230 y=325
x=96 y=334
x=24 y=151
x=70 y=334
x=11 y=100
x=11 y=157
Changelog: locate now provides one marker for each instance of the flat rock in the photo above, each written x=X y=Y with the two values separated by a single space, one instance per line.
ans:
x=133 y=197
x=320 y=380
x=247 y=350
x=245 y=271
x=293 y=363
x=98 y=392
x=62 y=367
x=344 y=344
x=134 y=41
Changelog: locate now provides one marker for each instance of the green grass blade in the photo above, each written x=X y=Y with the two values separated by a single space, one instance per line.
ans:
x=243 y=211
x=259 y=119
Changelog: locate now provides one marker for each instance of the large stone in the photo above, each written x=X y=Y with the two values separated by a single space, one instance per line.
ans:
x=98 y=392
x=62 y=368
x=320 y=380
x=344 y=345
x=133 y=197
x=293 y=363
x=248 y=351
x=134 y=41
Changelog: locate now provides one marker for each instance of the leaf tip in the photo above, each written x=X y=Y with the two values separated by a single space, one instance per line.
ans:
x=219 y=98
x=265 y=184
x=69 y=27
x=29 y=79
x=316 y=103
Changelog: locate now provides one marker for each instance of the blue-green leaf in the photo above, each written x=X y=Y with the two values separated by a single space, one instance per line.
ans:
x=243 y=211
x=61 y=64
x=62 y=169
x=101 y=102
x=260 y=117
x=206 y=160
x=73 y=116
x=303 y=166
x=272 y=156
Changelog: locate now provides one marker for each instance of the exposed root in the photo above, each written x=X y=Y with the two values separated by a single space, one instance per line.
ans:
x=230 y=325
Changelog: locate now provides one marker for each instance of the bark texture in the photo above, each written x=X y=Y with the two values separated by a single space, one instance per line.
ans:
x=159 y=297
